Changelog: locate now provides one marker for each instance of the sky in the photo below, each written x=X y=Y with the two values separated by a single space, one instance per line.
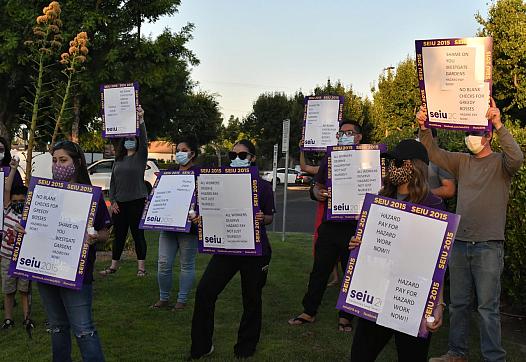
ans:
x=248 y=47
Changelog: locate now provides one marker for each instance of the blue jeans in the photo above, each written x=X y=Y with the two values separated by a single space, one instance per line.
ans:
x=476 y=267
x=169 y=244
x=70 y=309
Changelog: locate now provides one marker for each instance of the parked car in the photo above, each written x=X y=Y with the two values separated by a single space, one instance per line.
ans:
x=292 y=176
x=304 y=178
x=100 y=173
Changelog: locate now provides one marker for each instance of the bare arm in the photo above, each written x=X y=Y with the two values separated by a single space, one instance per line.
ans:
x=446 y=190
x=9 y=181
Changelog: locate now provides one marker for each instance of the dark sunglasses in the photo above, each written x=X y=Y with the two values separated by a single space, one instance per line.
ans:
x=242 y=155
x=396 y=162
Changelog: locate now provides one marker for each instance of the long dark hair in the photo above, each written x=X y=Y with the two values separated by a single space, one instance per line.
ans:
x=418 y=186
x=191 y=142
x=120 y=150
x=74 y=151
x=7 y=152
x=250 y=146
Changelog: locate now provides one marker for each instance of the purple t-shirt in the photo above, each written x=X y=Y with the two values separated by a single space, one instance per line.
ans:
x=102 y=220
x=17 y=181
x=321 y=178
x=266 y=205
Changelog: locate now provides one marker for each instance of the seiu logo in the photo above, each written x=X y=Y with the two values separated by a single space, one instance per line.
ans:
x=310 y=142
x=341 y=207
x=153 y=218
x=109 y=129
x=30 y=262
x=213 y=239
x=438 y=114
x=363 y=296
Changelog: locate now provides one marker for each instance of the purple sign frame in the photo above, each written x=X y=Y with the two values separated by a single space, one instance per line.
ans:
x=102 y=87
x=186 y=229
x=488 y=71
x=437 y=281
x=346 y=217
x=305 y=107
x=254 y=177
x=40 y=277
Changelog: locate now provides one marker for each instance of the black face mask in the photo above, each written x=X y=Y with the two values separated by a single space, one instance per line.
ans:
x=18 y=206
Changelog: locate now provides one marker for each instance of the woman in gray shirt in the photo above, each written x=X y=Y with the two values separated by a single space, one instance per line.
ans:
x=127 y=195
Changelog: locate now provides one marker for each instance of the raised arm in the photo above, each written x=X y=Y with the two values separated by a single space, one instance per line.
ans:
x=143 y=138
x=446 y=160
x=9 y=181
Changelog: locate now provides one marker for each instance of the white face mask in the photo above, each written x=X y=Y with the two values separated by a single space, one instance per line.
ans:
x=474 y=144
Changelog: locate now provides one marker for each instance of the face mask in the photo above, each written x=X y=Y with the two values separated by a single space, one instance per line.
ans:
x=182 y=158
x=17 y=207
x=62 y=173
x=130 y=144
x=474 y=144
x=2 y=155
x=345 y=140
x=400 y=175
x=237 y=162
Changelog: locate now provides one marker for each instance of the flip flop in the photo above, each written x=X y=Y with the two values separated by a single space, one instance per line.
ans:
x=345 y=327
x=301 y=321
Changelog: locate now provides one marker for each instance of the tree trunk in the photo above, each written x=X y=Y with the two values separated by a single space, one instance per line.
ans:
x=76 y=119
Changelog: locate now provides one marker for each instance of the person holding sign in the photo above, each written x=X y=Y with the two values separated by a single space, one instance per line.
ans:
x=406 y=180
x=68 y=308
x=14 y=198
x=333 y=237
x=222 y=268
x=171 y=242
x=128 y=193
x=484 y=179
x=5 y=161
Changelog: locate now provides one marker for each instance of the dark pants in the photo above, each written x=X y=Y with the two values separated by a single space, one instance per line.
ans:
x=219 y=272
x=333 y=243
x=370 y=339
x=128 y=217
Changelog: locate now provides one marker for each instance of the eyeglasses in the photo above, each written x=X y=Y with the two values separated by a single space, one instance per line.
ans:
x=242 y=155
x=347 y=133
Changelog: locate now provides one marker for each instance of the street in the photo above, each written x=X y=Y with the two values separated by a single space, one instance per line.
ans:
x=300 y=210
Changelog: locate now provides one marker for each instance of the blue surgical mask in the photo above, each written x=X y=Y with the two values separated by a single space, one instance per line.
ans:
x=237 y=162
x=345 y=140
x=182 y=158
x=130 y=144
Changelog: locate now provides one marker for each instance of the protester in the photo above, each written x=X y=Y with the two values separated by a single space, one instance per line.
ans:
x=14 y=198
x=476 y=262
x=406 y=180
x=318 y=218
x=5 y=161
x=172 y=242
x=333 y=237
x=67 y=308
x=128 y=193
x=222 y=268
x=441 y=183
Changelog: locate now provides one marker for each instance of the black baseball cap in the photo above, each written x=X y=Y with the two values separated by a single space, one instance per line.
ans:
x=408 y=150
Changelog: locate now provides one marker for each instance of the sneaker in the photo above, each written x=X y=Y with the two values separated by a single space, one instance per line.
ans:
x=448 y=357
x=8 y=323
x=28 y=324
x=193 y=358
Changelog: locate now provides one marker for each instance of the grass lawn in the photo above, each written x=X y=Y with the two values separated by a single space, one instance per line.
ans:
x=131 y=332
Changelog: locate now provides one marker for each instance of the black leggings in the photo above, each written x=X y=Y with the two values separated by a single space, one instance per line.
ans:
x=128 y=217
x=370 y=338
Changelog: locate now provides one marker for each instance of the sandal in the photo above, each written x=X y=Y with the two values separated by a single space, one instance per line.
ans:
x=161 y=304
x=345 y=327
x=109 y=270
x=142 y=273
x=179 y=306
x=8 y=323
x=298 y=321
